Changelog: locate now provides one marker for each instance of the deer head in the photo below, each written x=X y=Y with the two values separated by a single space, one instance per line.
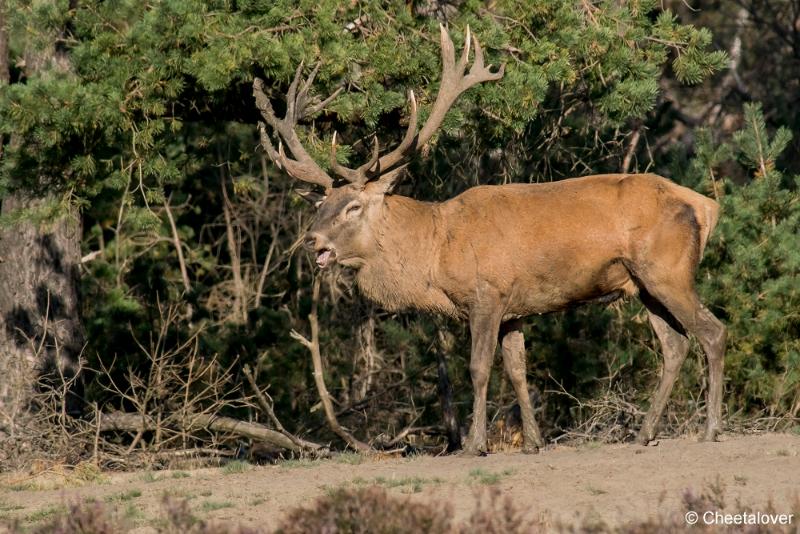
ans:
x=350 y=212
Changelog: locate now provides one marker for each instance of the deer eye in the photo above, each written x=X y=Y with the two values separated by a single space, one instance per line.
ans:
x=352 y=209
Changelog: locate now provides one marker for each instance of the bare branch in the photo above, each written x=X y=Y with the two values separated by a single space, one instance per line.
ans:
x=266 y=405
x=313 y=347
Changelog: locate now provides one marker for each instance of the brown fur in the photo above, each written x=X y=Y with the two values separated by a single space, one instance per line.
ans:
x=498 y=253
x=542 y=247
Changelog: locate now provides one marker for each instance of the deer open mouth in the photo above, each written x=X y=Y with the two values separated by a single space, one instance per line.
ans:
x=324 y=257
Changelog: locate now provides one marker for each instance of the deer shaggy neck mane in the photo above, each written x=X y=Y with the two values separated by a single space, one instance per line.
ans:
x=400 y=274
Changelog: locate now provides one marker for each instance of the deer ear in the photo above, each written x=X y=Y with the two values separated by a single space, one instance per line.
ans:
x=312 y=197
x=385 y=184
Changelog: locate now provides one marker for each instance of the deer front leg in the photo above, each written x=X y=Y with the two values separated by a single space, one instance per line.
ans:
x=484 y=327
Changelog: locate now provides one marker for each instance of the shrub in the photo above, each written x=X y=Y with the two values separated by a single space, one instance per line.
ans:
x=367 y=510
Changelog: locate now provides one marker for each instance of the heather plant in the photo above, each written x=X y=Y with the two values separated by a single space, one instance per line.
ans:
x=377 y=510
x=367 y=510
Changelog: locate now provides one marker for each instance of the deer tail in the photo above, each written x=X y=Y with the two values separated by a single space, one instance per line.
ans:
x=708 y=216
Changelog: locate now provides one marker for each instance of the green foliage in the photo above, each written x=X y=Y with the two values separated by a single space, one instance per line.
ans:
x=154 y=120
x=756 y=149
x=142 y=73
x=751 y=276
x=692 y=63
x=709 y=156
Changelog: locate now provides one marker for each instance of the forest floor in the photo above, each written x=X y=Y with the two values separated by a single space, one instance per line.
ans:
x=616 y=483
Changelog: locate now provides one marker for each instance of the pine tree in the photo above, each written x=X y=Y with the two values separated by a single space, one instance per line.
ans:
x=151 y=136
x=752 y=274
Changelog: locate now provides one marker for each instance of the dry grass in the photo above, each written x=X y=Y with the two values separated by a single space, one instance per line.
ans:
x=51 y=475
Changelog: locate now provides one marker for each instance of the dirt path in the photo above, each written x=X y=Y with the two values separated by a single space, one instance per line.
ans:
x=618 y=482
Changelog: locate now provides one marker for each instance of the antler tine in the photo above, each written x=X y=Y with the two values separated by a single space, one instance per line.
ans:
x=291 y=96
x=411 y=131
x=263 y=104
x=282 y=159
x=448 y=51
x=398 y=154
x=266 y=143
x=317 y=107
x=332 y=155
x=478 y=63
x=356 y=176
x=462 y=64
x=479 y=71
x=310 y=79
x=301 y=100
x=376 y=148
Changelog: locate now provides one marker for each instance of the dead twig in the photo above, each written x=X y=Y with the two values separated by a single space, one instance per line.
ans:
x=187 y=286
x=631 y=151
x=313 y=347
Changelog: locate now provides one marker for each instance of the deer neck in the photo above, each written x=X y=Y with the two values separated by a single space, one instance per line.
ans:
x=401 y=272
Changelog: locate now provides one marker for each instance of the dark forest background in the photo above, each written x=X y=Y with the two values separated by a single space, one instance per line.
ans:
x=150 y=254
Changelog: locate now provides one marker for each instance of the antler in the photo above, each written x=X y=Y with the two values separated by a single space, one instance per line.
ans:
x=453 y=83
x=387 y=168
x=303 y=167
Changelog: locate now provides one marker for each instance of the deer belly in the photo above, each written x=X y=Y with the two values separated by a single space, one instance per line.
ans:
x=562 y=289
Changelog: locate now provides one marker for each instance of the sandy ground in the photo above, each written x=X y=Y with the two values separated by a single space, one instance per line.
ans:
x=617 y=482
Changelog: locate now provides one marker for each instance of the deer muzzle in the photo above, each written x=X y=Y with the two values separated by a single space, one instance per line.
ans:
x=325 y=254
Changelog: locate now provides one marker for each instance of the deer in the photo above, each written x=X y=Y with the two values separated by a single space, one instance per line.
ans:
x=497 y=254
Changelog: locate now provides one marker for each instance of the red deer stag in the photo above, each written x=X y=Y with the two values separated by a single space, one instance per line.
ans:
x=496 y=254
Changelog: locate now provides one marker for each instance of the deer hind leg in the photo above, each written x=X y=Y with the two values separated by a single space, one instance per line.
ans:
x=674 y=347
x=513 y=347
x=680 y=299
x=484 y=327
x=713 y=335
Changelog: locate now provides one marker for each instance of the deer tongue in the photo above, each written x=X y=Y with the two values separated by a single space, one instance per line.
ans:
x=323 y=257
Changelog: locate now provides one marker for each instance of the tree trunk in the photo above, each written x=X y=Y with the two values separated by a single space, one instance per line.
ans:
x=40 y=330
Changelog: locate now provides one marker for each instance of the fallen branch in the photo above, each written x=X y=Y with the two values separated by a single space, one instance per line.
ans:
x=192 y=453
x=134 y=422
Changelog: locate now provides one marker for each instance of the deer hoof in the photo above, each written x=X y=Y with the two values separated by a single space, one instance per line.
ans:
x=471 y=452
x=644 y=438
